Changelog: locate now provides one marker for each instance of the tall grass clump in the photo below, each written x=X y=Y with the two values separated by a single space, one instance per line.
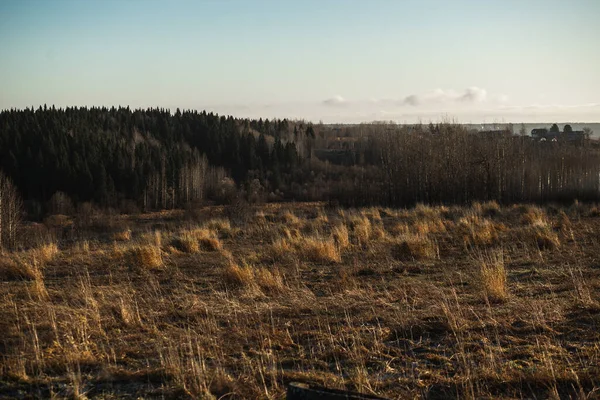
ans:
x=145 y=257
x=414 y=247
x=491 y=278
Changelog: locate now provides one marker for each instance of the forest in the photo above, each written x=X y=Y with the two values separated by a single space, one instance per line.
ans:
x=131 y=160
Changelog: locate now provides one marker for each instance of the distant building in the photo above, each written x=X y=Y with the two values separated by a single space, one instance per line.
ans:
x=544 y=135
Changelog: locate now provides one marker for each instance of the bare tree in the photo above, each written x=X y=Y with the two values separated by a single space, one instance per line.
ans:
x=10 y=213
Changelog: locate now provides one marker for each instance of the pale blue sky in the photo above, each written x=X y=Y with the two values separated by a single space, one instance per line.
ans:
x=331 y=60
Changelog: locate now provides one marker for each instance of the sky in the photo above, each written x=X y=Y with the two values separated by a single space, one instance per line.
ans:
x=341 y=61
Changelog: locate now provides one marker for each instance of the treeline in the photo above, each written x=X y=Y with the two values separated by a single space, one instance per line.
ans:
x=154 y=159
x=151 y=157
x=447 y=164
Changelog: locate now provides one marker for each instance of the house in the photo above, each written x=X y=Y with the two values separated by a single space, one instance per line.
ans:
x=544 y=135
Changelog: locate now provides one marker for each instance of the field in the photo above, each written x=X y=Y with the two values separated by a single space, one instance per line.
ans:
x=236 y=302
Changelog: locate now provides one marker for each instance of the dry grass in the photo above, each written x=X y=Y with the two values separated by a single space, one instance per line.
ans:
x=11 y=268
x=236 y=276
x=319 y=250
x=122 y=236
x=249 y=277
x=361 y=230
x=145 y=257
x=500 y=319
x=194 y=240
x=416 y=247
x=186 y=243
x=491 y=277
x=534 y=216
x=479 y=231
x=544 y=237
x=290 y=219
x=341 y=237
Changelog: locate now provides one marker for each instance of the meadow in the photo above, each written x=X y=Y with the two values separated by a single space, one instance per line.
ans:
x=235 y=302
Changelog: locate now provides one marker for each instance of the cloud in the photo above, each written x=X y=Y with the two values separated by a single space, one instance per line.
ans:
x=470 y=95
x=335 y=101
x=474 y=95
x=412 y=100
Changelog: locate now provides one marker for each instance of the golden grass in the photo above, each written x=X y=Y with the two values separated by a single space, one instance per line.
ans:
x=281 y=249
x=479 y=231
x=491 y=277
x=242 y=323
x=487 y=209
x=194 y=240
x=416 y=247
x=186 y=243
x=17 y=269
x=270 y=281
x=318 y=249
x=534 y=216
x=361 y=230
x=46 y=252
x=341 y=237
x=122 y=236
x=545 y=238
x=250 y=277
x=290 y=219
x=219 y=224
x=312 y=248
x=145 y=257
x=237 y=276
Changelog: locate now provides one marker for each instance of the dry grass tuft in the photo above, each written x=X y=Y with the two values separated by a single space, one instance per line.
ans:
x=219 y=225
x=186 y=243
x=399 y=228
x=290 y=219
x=46 y=252
x=415 y=247
x=424 y=227
x=191 y=241
x=361 y=230
x=545 y=238
x=122 y=236
x=487 y=209
x=319 y=250
x=210 y=244
x=11 y=269
x=341 y=237
x=427 y=212
x=478 y=231
x=237 y=276
x=282 y=248
x=249 y=277
x=534 y=216
x=154 y=238
x=491 y=277
x=270 y=281
x=146 y=257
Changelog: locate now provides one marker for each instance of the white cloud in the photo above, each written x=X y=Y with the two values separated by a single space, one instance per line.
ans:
x=470 y=95
x=335 y=101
